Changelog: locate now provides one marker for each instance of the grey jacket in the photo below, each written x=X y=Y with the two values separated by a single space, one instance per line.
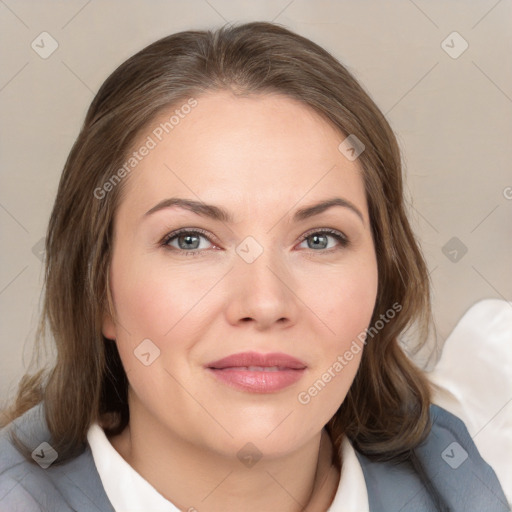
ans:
x=449 y=458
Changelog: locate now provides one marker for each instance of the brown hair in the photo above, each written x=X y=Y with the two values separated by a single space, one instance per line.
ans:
x=386 y=411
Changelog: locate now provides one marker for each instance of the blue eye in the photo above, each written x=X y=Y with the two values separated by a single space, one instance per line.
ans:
x=194 y=242
x=320 y=239
x=186 y=240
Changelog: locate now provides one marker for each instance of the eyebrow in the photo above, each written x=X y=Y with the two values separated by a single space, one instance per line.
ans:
x=218 y=213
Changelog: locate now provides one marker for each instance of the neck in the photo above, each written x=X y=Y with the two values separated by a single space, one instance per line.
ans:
x=197 y=479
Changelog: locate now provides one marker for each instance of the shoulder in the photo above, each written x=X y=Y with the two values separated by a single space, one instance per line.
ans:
x=20 y=486
x=453 y=463
x=446 y=466
x=44 y=483
x=473 y=378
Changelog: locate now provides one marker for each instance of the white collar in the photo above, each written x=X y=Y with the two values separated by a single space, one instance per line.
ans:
x=129 y=492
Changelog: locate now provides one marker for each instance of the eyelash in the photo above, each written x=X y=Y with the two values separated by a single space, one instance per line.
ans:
x=340 y=237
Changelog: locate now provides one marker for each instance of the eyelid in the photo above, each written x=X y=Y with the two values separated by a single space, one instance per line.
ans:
x=173 y=234
x=339 y=235
x=312 y=231
x=341 y=238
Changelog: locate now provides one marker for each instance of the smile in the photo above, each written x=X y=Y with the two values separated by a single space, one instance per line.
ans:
x=257 y=379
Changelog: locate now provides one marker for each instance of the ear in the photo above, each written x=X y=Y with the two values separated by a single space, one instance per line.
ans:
x=108 y=327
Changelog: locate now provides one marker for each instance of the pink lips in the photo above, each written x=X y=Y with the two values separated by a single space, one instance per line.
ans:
x=259 y=373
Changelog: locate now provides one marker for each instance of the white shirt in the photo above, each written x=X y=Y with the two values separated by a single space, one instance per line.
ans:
x=476 y=370
x=129 y=492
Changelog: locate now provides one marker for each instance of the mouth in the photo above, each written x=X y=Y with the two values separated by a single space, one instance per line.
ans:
x=255 y=368
x=258 y=373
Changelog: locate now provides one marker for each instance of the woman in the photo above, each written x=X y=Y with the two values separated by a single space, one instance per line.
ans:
x=229 y=266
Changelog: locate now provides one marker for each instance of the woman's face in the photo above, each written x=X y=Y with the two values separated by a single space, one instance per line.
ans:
x=260 y=271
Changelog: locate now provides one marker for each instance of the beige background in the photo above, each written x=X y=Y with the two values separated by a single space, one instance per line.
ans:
x=453 y=117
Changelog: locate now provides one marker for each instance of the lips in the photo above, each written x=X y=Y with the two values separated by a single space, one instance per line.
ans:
x=258 y=373
x=254 y=359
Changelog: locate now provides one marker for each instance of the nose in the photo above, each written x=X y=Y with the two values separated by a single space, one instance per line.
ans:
x=262 y=293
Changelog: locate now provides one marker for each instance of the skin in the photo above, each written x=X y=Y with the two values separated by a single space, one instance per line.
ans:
x=260 y=157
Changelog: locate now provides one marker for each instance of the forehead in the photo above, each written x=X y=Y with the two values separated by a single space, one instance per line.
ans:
x=239 y=148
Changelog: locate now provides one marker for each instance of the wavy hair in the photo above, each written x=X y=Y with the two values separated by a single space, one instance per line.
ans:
x=386 y=412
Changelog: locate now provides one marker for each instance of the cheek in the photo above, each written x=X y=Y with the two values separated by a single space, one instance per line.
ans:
x=164 y=305
x=149 y=301
x=344 y=300
x=347 y=309
x=353 y=304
